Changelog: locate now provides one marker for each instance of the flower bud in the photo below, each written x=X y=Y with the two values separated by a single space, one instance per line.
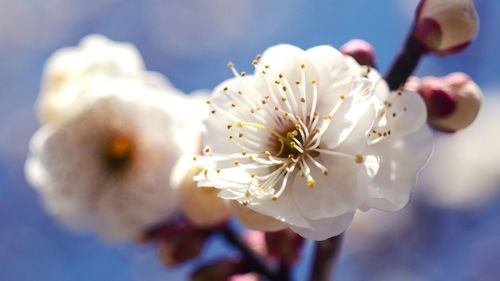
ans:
x=285 y=245
x=254 y=220
x=446 y=26
x=452 y=101
x=360 y=50
x=179 y=244
x=256 y=241
x=200 y=205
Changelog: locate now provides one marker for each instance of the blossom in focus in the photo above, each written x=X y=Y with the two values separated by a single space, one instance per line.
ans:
x=107 y=168
x=311 y=137
x=96 y=58
x=446 y=26
x=255 y=220
x=453 y=101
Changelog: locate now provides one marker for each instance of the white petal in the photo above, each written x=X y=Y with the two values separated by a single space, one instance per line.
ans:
x=406 y=114
x=401 y=159
x=325 y=228
x=334 y=194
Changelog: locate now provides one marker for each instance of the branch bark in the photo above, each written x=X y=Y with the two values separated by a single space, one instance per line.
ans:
x=256 y=262
x=326 y=254
x=406 y=62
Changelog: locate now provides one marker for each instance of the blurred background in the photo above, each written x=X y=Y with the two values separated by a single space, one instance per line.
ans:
x=449 y=231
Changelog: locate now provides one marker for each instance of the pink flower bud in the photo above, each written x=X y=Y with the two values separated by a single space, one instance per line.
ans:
x=256 y=241
x=360 y=50
x=453 y=101
x=446 y=26
x=285 y=245
x=179 y=243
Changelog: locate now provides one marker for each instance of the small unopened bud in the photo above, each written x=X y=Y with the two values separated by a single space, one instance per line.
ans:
x=254 y=220
x=285 y=245
x=360 y=50
x=200 y=205
x=256 y=241
x=446 y=26
x=452 y=101
x=441 y=101
x=179 y=244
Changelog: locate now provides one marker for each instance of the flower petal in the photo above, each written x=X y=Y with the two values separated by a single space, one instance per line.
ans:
x=325 y=228
x=401 y=159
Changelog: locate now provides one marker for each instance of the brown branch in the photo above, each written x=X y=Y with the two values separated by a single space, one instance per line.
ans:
x=325 y=256
x=257 y=264
x=406 y=62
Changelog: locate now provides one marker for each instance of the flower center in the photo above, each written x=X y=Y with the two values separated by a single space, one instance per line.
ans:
x=118 y=153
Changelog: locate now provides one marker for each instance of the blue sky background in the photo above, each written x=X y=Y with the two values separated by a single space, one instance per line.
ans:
x=191 y=41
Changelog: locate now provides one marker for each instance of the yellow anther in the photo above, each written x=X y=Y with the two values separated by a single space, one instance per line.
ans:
x=359 y=159
x=302 y=66
x=311 y=183
x=236 y=162
x=325 y=172
x=229 y=126
x=247 y=194
x=267 y=153
x=209 y=102
x=327 y=117
x=253 y=175
x=230 y=65
x=218 y=170
x=313 y=82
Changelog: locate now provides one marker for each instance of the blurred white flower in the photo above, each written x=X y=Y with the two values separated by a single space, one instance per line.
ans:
x=311 y=137
x=107 y=167
x=70 y=69
x=465 y=168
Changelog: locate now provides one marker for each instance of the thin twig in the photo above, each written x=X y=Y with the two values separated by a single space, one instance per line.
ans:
x=406 y=62
x=325 y=257
x=256 y=262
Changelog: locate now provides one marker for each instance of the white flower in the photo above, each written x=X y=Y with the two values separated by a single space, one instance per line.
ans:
x=107 y=168
x=311 y=137
x=95 y=60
